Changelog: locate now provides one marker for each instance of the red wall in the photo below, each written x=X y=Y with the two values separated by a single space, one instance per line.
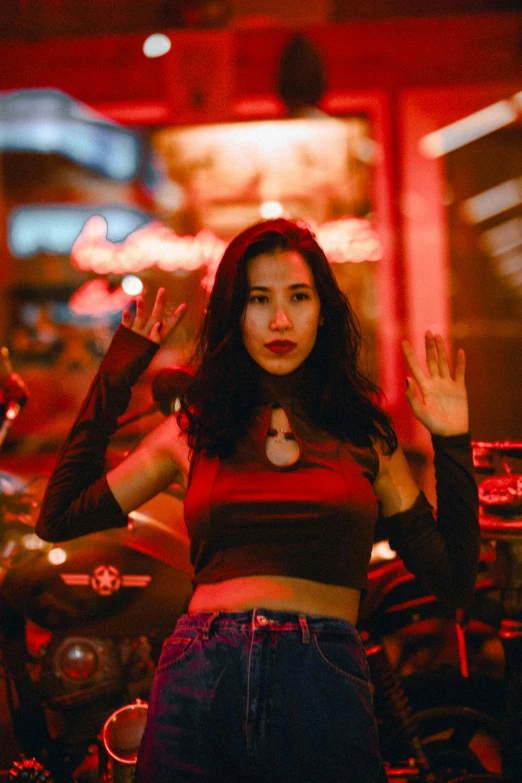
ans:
x=228 y=66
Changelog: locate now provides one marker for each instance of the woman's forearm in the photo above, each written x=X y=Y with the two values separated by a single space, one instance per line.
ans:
x=443 y=552
x=78 y=499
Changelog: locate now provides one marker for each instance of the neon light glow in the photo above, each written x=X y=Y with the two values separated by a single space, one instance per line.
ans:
x=53 y=228
x=271 y=209
x=96 y=298
x=12 y=412
x=503 y=238
x=50 y=121
x=57 y=556
x=31 y=541
x=132 y=285
x=348 y=239
x=472 y=127
x=493 y=201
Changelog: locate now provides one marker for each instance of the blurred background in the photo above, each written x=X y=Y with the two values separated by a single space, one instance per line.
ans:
x=136 y=138
x=394 y=129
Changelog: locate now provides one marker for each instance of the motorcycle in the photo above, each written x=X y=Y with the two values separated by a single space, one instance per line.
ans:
x=82 y=627
x=439 y=715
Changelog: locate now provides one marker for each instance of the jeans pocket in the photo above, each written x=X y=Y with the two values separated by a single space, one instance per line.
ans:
x=175 y=649
x=343 y=656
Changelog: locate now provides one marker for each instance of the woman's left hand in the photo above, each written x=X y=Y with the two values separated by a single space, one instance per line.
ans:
x=437 y=399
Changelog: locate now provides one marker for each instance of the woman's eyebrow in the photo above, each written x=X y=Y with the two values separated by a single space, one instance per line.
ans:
x=292 y=287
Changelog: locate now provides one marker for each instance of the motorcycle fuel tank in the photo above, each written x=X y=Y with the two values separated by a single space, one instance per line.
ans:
x=120 y=581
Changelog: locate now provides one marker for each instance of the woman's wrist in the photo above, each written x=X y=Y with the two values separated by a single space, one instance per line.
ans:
x=138 y=338
x=129 y=355
x=463 y=438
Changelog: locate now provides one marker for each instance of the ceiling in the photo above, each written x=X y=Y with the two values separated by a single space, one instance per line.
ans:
x=40 y=19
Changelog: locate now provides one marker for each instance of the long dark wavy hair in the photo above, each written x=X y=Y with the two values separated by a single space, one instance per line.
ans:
x=225 y=393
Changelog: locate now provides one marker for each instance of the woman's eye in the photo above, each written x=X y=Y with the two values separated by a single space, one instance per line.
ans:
x=300 y=296
x=258 y=299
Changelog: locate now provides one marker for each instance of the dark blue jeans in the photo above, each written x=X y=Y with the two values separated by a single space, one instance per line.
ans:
x=260 y=696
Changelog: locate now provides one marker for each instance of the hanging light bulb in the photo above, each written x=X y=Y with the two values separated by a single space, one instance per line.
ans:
x=156 y=45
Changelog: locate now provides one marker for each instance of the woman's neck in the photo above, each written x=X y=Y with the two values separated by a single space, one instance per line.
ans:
x=281 y=388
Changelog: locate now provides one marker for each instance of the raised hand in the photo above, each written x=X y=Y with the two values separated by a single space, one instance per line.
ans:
x=437 y=399
x=160 y=323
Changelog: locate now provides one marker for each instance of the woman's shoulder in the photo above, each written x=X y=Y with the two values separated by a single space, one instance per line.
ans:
x=388 y=458
x=169 y=439
x=394 y=484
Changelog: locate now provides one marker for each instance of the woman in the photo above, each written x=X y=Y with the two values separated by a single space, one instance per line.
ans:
x=289 y=460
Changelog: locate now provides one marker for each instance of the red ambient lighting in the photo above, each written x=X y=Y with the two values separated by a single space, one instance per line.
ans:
x=96 y=298
x=345 y=240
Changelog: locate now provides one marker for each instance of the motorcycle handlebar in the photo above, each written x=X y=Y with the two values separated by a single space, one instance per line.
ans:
x=510 y=448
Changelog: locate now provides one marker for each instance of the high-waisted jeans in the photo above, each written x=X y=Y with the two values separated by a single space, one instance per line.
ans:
x=260 y=696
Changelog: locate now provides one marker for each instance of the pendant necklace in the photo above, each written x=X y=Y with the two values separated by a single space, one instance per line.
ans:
x=280 y=435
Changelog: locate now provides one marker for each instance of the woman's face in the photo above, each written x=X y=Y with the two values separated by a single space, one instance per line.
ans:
x=280 y=320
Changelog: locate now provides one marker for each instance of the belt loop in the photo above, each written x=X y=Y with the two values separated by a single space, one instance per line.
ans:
x=304 y=629
x=206 y=628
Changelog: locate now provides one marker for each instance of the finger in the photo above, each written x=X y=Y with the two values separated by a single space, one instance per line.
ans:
x=175 y=319
x=156 y=332
x=158 y=311
x=413 y=396
x=161 y=329
x=460 y=366
x=140 y=319
x=431 y=355
x=179 y=314
x=126 y=318
x=415 y=368
x=159 y=304
x=156 y=323
x=444 y=367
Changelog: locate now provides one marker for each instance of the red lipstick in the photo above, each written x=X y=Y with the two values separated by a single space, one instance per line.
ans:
x=280 y=346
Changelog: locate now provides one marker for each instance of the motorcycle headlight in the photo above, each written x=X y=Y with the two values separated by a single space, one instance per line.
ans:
x=78 y=660
x=76 y=668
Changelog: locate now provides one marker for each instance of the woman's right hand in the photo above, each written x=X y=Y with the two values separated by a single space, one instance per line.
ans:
x=160 y=323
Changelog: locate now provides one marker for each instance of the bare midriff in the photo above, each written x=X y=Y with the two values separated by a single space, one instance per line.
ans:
x=280 y=593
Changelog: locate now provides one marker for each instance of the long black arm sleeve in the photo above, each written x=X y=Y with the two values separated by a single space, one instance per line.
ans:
x=443 y=552
x=78 y=499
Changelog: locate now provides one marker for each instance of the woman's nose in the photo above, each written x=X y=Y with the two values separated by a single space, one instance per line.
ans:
x=280 y=320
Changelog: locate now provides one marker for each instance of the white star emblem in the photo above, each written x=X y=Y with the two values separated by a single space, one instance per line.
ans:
x=106 y=579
